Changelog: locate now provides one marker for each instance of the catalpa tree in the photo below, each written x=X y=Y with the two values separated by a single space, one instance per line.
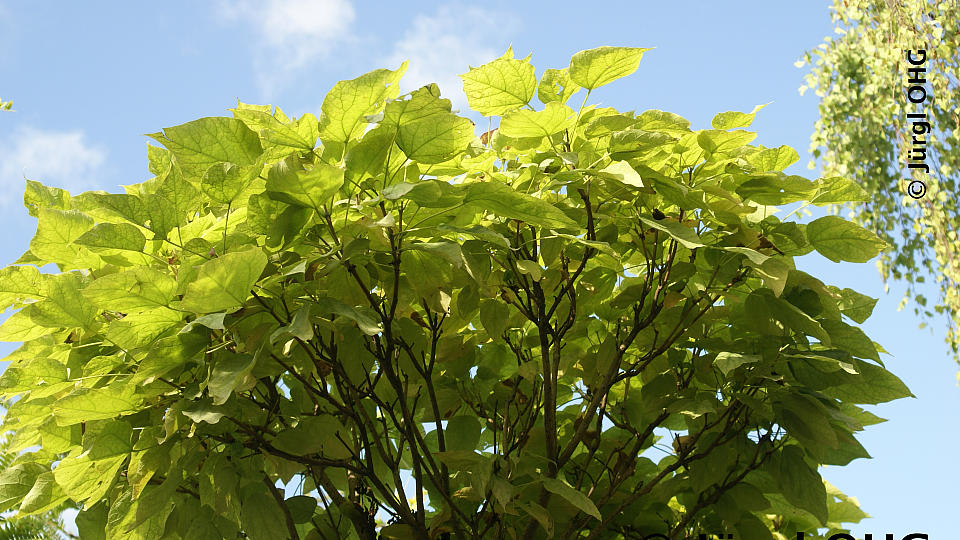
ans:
x=583 y=323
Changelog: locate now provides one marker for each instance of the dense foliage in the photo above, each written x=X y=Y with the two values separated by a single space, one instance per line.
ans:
x=46 y=525
x=864 y=133
x=581 y=323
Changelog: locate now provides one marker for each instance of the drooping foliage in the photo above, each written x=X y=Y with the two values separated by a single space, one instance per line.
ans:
x=581 y=323
x=865 y=133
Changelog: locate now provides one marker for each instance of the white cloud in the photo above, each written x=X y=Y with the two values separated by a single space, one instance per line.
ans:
x=290 y=33
x=443 y=45
x=62 y=159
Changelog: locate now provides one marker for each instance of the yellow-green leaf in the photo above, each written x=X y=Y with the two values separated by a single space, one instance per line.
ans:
x=132 y=290
x=224 y=181
x=56 y=231
x=435 y=139
x=507 y=202
x=225 y=282
x=106 y=236
x=572 y=496
x=594 y=68
x=63 y=305
x=86 y=404
x=555 y=117
x=840 y=240
x=272 y=129
x=733 y=119
x=681 y=233
x=287 y=181
x=556 y=86
x=421 y=103
x=346 y=105
x=500 y=86
x=199 y=144
x=19 y=283
x=837 y=189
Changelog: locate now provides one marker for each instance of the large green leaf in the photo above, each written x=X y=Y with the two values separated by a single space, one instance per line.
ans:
x=792 y=317
x=167 y=354
x=571 y=495
x=776 y=188
x=368 y=157
x=435 y=138
x=45 y=495
x=346 y=105
x=224 y=282
x=132 y=290
x=56 y=231
x=718 y=141
x=140 y=329
x=173 y=203
x=122 y=236
x=681 y=233
x=315 y=434
x=622 y=172
x=21 y=327
x=19 y=283
x=553 y=118
x=807 y=420
x=272 y=129
x=493 y=316
x=90 y=474
x=227 y=373
x=146 y=462
x=421 y=104
x=596 y=67
x=86 y=404
x=840 y=240
x=773 y=159
x=801 y=485
x=507 y=202
x=37 y=196
x=556 y=86
x=262 y=517
x=199 y=144
x=540 y=514
x=500 y=86
x=365 y=322
x=462 y=433
x=27 y=376
x=16 y=481
x=224 y=181
x=837 y=189
x=851 y=339
x=874 y=385
x=278 y=221
x=733 y=119
x=92 y=522
x=63 y=305
x=855 y=305
x=287 y=181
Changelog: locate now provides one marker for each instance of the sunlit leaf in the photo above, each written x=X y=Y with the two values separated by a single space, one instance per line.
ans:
x=224 y=282
x=199 y=144
x=596 y=67
x=500 y=86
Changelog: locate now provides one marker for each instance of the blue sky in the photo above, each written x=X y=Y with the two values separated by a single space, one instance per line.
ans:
x=89 y=79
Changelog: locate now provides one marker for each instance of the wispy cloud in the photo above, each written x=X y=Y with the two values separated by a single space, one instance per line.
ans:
x=442 y=45
x=290 y=34
x=63 y=159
